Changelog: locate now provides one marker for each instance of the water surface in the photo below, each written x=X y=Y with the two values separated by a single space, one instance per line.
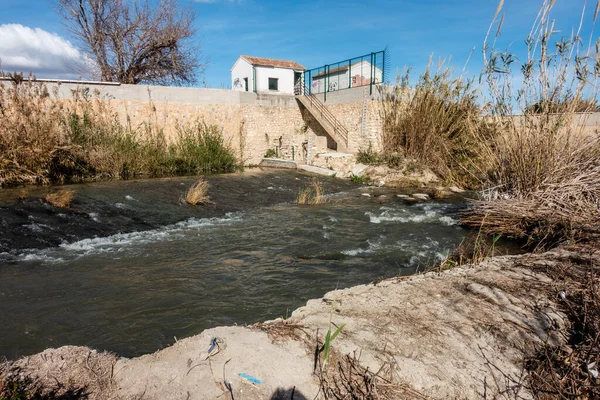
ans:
x=130 y=268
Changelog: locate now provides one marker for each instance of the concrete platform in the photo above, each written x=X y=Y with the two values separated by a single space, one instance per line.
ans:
x=277 y=163
x=320 y=171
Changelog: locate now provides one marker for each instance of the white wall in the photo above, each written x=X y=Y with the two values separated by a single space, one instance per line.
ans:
x=285 y=76
x=242 y=69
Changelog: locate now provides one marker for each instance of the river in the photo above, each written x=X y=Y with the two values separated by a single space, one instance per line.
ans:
x=129 y=267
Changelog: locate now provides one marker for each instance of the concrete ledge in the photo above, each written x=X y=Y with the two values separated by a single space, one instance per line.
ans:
x=277 y=163
x=320 y=171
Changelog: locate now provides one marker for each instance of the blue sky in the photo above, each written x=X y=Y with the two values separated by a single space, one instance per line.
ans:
x=312 y=33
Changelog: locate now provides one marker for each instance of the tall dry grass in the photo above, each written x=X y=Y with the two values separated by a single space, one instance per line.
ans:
x=542 y=168
x=45 y=139
x=431 y=122
x=520 y=138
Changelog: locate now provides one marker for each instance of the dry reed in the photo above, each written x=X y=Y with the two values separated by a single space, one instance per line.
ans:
x=198 y=193
x=526 y=147
x=312 y=194
x=431 y=122
x=59 y=199
x=544 y=170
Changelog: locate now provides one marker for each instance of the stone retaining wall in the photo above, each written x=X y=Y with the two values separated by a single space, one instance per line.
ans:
x=252 y=123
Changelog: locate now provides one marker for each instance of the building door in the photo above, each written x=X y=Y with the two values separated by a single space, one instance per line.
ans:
x=297 y=83
x=246 y=84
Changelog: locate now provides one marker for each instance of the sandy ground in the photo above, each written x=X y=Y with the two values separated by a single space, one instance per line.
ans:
x=458 y=334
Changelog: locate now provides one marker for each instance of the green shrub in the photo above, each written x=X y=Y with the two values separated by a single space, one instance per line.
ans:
x=371 y=157
x=357 y=179
x=270 y=153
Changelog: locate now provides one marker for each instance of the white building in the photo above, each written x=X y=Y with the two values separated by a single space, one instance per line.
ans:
x=256 y=74
x=345 y=76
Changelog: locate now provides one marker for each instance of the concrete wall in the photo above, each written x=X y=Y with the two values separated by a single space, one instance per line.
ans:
x=252 y=123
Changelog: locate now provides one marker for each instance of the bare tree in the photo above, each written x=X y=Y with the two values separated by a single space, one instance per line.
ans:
x=131 y=41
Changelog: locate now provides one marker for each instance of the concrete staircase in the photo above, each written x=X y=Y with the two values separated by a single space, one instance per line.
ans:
x=328 y=121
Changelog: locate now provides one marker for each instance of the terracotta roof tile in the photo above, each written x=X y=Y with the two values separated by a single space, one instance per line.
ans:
x=270 y=62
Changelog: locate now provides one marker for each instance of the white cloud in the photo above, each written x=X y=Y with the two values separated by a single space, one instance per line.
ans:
x=45 y=54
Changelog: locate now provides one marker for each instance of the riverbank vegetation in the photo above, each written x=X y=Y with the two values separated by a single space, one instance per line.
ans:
x=44 y=139
x=517 y=134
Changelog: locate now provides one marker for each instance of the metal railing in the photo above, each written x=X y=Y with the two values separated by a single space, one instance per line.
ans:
x=320 y=108
x=367 y=70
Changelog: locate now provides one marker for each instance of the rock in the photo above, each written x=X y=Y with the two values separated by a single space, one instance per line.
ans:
x=403 y=196
x=455 y=189
x=383 y=196
x=378 y=172
x=421 y=196
x=365 y=194
x=343 y=162
x=359 y=170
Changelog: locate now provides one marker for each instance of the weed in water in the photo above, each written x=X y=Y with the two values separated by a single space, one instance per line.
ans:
x=527 y=146
x=60 y=199
x=472 y=250
x=312 y=194
x=198 y=193
x=357 y=179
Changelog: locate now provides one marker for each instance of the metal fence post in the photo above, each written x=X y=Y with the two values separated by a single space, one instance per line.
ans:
x=349 y=73
x=371 y=73
x=326 y=85
x=383 y=67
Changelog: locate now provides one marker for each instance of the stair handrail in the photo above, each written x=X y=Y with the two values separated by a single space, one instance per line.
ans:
x=338 y=128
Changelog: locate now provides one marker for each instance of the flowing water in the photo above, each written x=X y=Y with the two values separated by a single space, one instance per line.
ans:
x=129 y=267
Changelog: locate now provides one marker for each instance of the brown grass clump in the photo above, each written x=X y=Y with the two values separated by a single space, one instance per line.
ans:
x=59 y=199
x=474 y=249
x=569 y=370
x=344 y=378
x=312 y=194
x=198 y=193
x=15 y=385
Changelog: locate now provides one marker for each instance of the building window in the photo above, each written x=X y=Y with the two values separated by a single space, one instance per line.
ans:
x=273 y=84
